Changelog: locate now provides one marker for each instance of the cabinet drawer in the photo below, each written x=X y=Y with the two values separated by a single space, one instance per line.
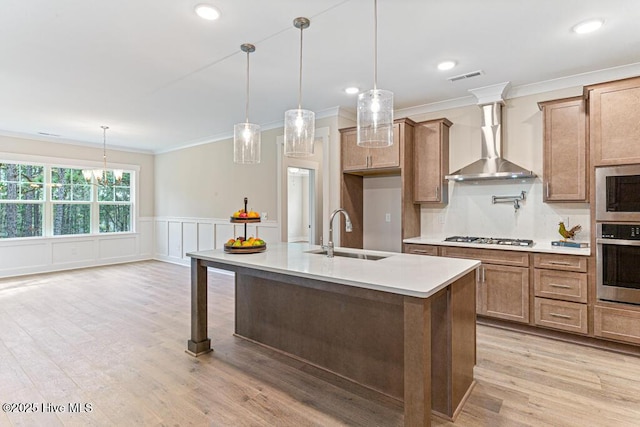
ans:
x=616 y=324
x=568 y=316
x=564 y=285
x=560 y=262
x=488 y=256
x=411 y=248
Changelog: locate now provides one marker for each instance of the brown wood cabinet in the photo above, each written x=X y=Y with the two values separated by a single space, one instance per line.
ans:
x=384 y=162
x=431 y=161
x=565 y=176
x=356 y=158
x=560 y=286
x=503 y=292
x=502 y=281
x=617 y=323
x=614 y=122
x=410 y=248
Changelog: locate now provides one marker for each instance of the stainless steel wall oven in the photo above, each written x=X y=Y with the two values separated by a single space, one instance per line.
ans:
x=618 y=262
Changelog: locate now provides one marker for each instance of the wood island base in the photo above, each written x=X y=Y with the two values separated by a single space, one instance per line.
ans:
x=420 y=351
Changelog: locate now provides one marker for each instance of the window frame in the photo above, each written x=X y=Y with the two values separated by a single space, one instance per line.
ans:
x=47 y=204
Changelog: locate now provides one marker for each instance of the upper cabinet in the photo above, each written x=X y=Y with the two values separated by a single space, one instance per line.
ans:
x=431 y=161
x=614 y=122
x=565 y=150
x=356 y=158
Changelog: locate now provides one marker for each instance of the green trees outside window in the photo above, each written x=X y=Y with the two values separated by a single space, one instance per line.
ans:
x=21 y=200
x=72 y=206
x=115 y=204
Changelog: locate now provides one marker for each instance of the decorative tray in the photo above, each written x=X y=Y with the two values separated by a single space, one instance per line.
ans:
x=244 y=220
x=244 y=249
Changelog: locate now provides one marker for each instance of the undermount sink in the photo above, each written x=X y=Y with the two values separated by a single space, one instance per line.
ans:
x=348 y=254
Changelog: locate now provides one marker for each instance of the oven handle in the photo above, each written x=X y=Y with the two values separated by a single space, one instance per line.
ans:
x=617 y=242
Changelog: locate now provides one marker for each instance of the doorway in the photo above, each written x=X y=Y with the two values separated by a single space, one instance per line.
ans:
x=301 y=218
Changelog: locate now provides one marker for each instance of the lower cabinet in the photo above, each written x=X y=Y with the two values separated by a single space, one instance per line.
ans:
x=503 y=292
x=567 y=316
x=502 y=282
x=617 y=324
x=560 y=284
x=558 y=296
x=410 y=248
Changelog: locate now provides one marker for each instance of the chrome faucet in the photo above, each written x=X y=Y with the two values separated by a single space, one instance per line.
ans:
x=348 y=227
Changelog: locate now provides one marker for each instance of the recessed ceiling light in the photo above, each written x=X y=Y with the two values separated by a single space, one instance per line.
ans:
x=206 y=11
x=352 y=90
x=446 y=65
x=588 y=26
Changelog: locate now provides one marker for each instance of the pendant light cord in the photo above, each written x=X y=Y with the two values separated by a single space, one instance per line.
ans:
x=246 y=107
x=300 y=82
x=375 y=44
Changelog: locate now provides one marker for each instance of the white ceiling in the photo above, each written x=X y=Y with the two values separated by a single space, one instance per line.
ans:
x=162 y=78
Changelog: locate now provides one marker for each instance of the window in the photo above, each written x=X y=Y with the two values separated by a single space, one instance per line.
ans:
x=71 y=202
x=21 y=200
x=70 y=206
x=114 y=200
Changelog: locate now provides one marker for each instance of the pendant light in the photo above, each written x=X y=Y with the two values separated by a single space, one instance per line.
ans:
x=299 y=124
x=101 y=174
x=246 y=136
x=375 y=107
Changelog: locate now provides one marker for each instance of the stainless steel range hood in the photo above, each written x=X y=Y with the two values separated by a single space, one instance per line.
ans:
x=492 y=165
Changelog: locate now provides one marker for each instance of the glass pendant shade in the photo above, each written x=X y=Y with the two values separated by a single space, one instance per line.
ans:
x=375 y=119
x=299 y=132
x=246 y=143
x=88 y=174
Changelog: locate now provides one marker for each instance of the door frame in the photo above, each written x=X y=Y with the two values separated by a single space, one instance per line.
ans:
x=321 y=166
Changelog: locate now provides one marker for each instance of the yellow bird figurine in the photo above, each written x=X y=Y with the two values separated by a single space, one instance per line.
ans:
x=568 y=234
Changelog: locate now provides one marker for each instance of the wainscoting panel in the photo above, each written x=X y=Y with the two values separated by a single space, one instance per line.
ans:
x=175 y=239
x=117 y=247
x=183 y=235
x=189 y=237
x=206 y=240
x=66 y=252
x=40 y=255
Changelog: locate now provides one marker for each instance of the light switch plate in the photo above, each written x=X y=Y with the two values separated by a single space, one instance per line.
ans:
x=387 y=217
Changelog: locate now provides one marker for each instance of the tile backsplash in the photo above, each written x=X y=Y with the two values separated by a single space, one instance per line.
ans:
x=471 y=212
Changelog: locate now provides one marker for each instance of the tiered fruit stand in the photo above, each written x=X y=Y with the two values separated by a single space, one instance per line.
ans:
x=244 y=249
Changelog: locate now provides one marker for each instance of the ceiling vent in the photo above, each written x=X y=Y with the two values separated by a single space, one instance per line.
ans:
x=465 y=76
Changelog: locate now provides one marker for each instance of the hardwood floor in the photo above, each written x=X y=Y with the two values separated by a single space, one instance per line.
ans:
x=114 y=337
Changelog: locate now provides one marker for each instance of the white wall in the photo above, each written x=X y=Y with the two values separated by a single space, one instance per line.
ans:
x=382 y=196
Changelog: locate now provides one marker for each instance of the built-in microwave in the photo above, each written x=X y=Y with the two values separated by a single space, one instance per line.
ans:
x=618 y=193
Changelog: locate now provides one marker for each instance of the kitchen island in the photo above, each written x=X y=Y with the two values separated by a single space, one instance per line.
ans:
x=400 y=324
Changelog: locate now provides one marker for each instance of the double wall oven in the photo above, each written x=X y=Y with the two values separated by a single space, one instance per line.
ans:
x=618 y=233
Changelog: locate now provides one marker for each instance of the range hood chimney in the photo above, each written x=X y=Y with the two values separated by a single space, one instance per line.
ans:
x=491 y=165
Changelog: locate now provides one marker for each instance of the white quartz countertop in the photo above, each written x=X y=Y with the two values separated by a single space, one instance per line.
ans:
x=544 y=246
x=405 y=274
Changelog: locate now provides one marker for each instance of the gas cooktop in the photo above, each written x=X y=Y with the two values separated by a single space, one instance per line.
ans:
x=490 y=240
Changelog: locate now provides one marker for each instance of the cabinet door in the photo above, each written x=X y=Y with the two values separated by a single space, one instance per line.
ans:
x=353 y=157
x=431 y=161
x=388 y=157
x=503 y=292
x=614 y=122
x=565 y=151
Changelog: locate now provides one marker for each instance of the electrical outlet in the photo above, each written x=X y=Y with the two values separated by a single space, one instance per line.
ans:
x=441 y=219
x=564 y=219
x=263 y=215
x=387 y=217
